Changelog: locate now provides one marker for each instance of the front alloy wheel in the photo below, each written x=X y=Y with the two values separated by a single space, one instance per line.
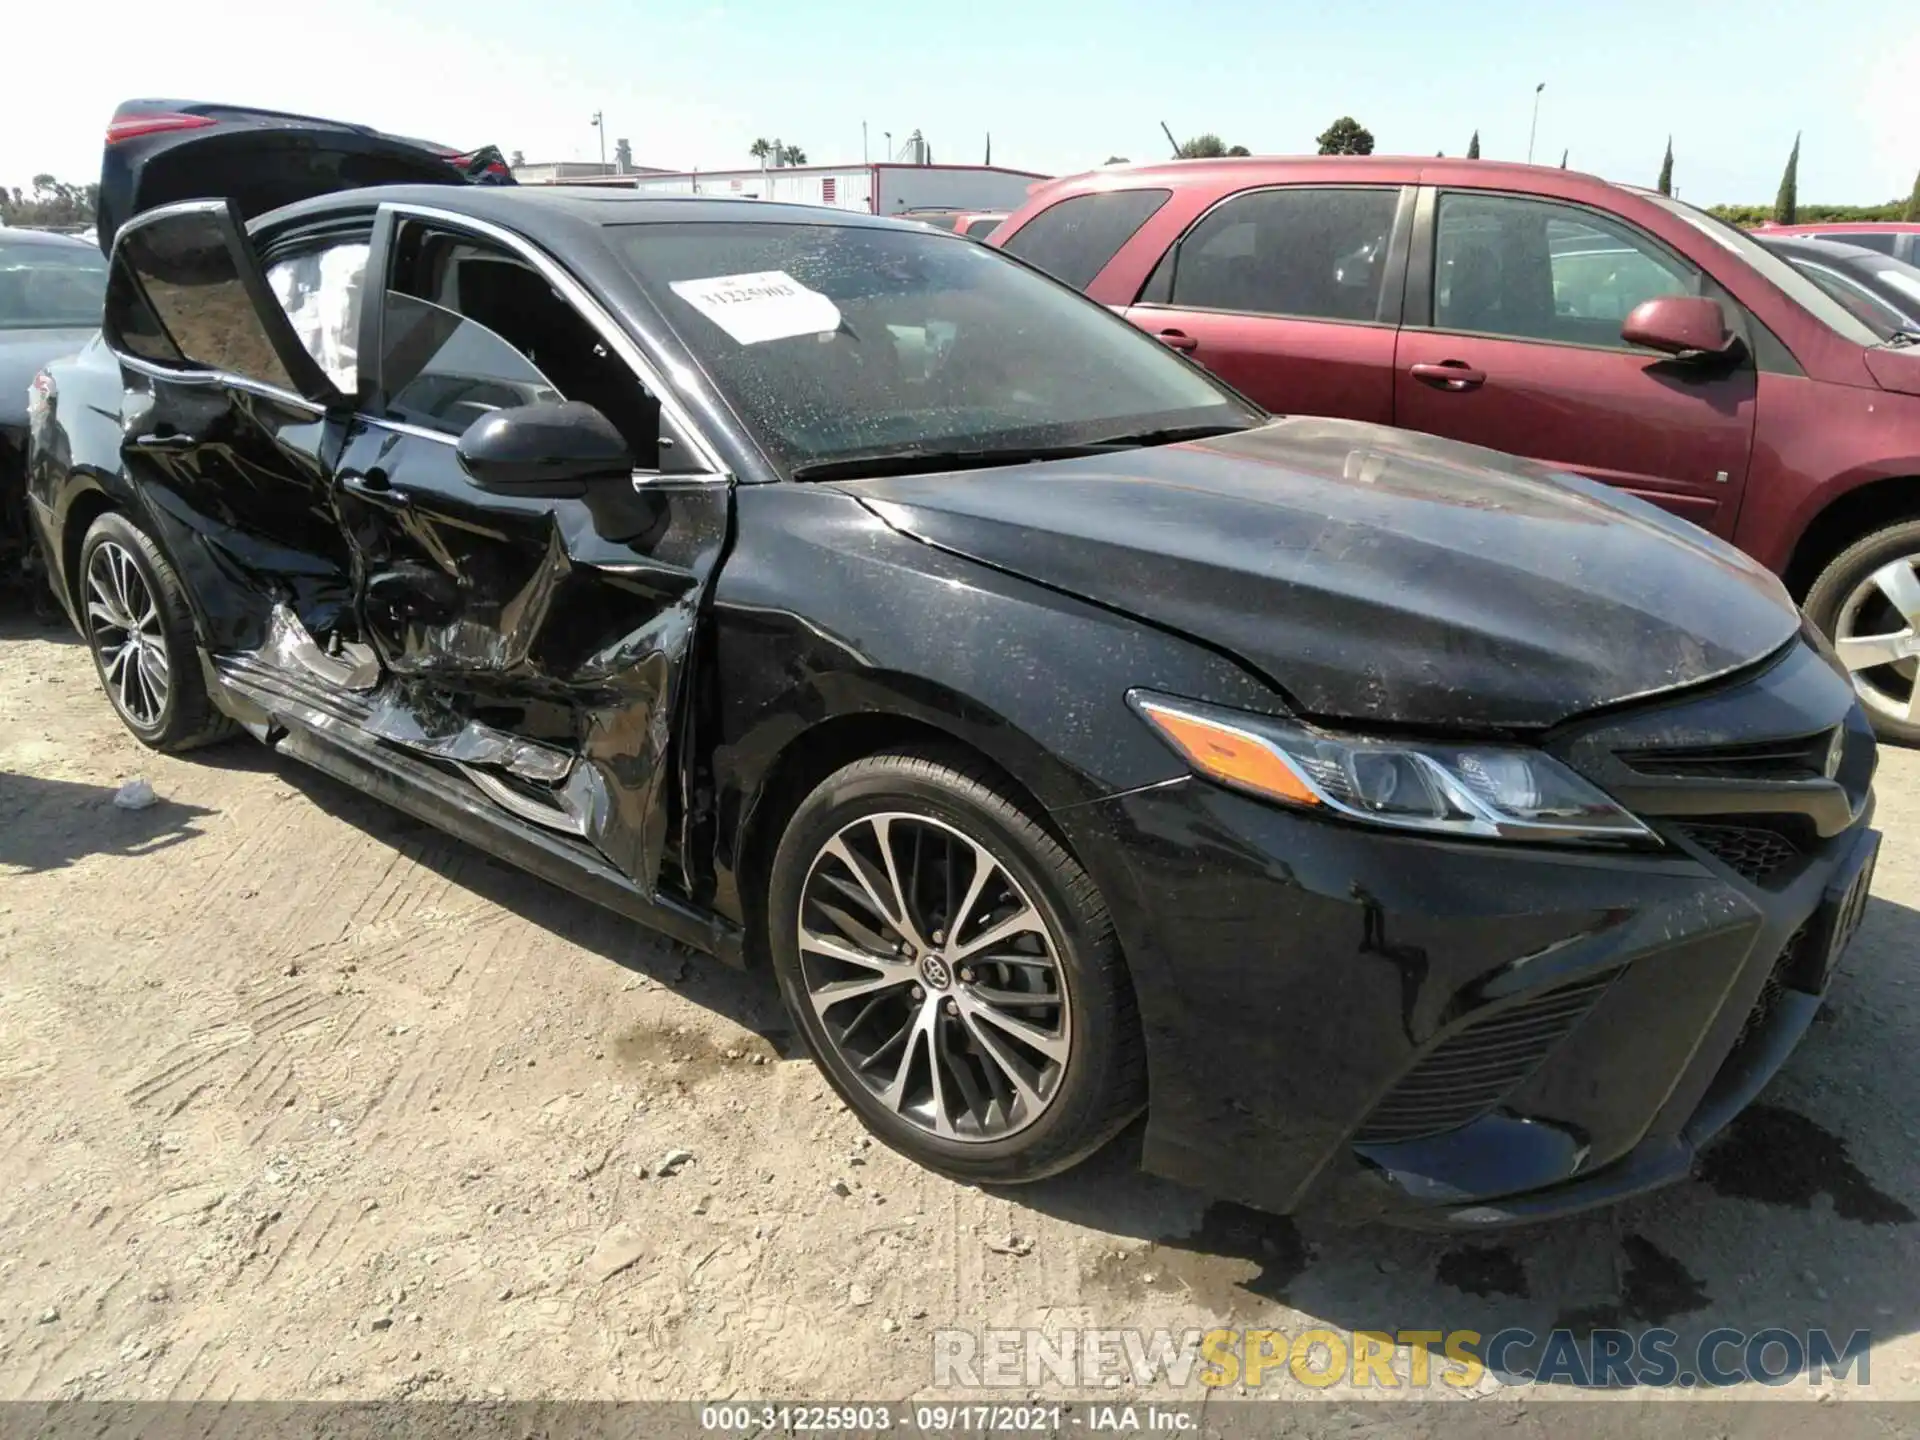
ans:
x=953 y=969
x=934 y=976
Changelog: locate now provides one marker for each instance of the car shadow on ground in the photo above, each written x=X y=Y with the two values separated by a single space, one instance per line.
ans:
x=748 y=1000
x=48 y=824
x=28 y=612
x=1800 y=1217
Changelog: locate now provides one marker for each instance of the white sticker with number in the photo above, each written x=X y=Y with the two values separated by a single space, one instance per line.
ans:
x=766 y=305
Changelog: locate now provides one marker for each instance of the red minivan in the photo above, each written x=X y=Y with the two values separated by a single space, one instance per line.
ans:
x=1549 y=314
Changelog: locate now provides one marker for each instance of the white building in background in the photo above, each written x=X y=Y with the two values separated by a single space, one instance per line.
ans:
x=879 y=189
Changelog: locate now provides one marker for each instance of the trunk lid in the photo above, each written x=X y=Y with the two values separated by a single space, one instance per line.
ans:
x=160 y=151
x=1372 y=574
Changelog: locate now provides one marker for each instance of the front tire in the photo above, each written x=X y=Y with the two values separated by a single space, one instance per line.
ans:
x=1867 y=601
x=953 y=970
x=140 y=631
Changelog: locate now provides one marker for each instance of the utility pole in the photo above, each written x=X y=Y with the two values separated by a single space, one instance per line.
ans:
x=600 y=124
x=863 y=142
x=1535 y=126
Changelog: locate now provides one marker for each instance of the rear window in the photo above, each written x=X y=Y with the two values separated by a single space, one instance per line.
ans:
x=1073 y=240
x=50 y=287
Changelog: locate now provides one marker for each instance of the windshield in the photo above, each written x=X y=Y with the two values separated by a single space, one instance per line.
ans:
x=845 y=343
x=1810 y=297
x=50 y=287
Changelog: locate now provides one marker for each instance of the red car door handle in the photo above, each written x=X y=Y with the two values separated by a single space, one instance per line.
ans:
x=1449 y=375
x=1178 y=340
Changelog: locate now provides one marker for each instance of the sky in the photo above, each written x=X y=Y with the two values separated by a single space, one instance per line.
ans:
x=1060 y=84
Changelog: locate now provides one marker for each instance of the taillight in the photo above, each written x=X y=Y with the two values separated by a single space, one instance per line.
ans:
x=127 y=127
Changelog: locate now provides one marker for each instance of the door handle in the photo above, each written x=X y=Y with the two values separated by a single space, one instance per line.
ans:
x=1178 y=340
x=373 y=485
x=1449 y=375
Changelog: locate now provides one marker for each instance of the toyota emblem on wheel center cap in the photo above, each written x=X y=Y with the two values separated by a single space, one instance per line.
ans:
x=935 y=972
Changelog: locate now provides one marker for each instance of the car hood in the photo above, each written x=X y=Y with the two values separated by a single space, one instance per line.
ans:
x=1372 y=574
x=22 y=354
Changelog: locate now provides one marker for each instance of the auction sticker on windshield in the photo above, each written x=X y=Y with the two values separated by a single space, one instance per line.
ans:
x=765 y=305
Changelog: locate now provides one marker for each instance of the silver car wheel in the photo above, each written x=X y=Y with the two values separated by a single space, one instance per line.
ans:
x=935 y=977
x=1877 y=636
x=129 y=639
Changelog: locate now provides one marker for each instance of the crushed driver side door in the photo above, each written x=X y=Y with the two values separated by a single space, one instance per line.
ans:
x=538 y=646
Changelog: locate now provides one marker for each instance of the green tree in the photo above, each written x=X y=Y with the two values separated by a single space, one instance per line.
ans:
x=1346 y=136
x=1473 y=146
x=1665 y=183
x=1786 y=205
x=1118 y=160
x=792 y=155
x=761 y=150
x=51 y=205
x=1912 y=212
x=1204 y=147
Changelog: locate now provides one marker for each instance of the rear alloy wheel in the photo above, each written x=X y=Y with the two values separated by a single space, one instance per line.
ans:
x=953 y=970
x=1868 y=602
x=140 y=631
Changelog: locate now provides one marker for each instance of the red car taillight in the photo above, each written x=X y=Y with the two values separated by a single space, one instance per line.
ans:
x=129 y=126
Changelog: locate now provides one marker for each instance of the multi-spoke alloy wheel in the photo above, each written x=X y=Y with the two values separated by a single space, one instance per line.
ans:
x=953 y=968
x=1867 y=601
x=935 y=976
x=129 y=638
x=1877 y=635
x=140 y=629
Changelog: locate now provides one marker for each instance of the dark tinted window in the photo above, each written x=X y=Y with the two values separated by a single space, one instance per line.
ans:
x=443 y=371
x=51 y=286
x=1542 y=271
x=1306 y=251
x=1881 y=240
x=193 y=297
x=1074 y=240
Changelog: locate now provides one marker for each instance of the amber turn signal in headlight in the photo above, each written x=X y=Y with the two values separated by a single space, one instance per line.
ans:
x=1505 y=792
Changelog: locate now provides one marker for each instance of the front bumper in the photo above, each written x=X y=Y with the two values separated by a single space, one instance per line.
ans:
x=1354 y=1023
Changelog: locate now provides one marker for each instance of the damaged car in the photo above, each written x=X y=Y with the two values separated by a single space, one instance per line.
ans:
x=1407 y=831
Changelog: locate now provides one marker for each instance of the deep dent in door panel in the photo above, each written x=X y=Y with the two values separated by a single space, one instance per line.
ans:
x=573 y=627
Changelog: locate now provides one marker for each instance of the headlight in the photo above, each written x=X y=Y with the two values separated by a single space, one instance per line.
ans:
x=1495 y=791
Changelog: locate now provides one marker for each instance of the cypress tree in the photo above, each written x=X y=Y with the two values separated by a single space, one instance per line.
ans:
x=1665 y=187
x=1786 y=204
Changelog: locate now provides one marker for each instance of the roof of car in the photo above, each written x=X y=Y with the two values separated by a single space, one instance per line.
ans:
x=1808 y=245
x=518 y=205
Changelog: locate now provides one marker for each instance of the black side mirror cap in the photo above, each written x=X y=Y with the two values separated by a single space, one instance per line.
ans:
x=553 y=448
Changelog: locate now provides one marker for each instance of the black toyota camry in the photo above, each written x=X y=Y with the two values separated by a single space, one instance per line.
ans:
x=1407 y=830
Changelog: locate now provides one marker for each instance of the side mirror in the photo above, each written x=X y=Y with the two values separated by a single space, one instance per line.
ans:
x=549 y=449
x=1687 y=326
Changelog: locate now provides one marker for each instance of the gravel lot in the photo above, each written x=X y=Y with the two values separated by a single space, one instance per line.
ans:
x=299 y=1099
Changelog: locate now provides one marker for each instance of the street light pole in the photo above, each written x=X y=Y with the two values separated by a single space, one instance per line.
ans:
x=1534 y=128
x=600 y=124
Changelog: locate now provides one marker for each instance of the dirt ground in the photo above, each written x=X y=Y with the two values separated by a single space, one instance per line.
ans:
x=299 y=1099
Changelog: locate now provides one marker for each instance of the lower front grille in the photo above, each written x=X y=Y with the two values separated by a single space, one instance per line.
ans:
x=1469 y=1073
x=1756 y=855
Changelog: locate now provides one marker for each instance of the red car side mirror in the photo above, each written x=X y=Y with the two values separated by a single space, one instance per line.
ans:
x=1681 y=325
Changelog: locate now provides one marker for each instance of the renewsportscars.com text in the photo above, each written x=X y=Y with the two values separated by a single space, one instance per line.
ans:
x=1395 y=1359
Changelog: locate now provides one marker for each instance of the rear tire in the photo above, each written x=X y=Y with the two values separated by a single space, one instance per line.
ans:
x=140 y=630
x=1867 y=601
x=1021 y=1054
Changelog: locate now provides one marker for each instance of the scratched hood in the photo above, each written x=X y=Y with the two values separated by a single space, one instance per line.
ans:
x=1369 y=573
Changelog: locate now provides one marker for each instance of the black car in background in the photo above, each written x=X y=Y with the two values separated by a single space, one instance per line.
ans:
x=1882 y=291
x=1408 y=830
x=50 y=290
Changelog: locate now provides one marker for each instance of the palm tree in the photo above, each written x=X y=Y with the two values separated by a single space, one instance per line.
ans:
x=792 y=155
x=760 y=150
